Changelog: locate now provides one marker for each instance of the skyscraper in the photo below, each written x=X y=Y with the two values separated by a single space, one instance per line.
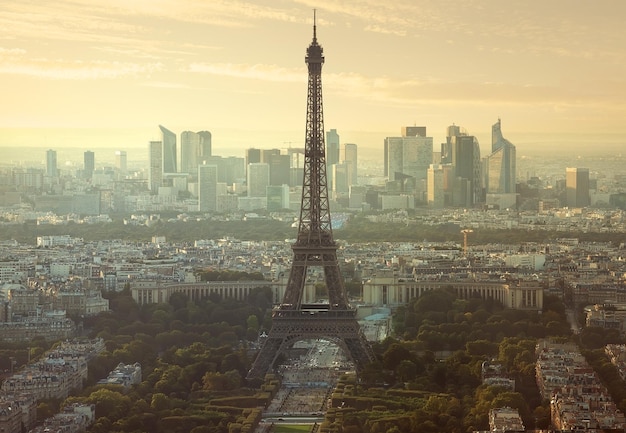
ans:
x=408 y=156
x=168 y=153
x=155 y=170
x=296 y=157
x=577 y=187
x=195 y=147
x=51 y=163
x=258 y=179
x=332 y=147
x=268 y=154
x=501 y=164
x=121 y=162
x=89 y=160
x=414 y=131
x=341 y=183
x=463 y=152
x=253 y=155
x=435 y=186
x=351 y=160
x=499 y=170
x=229 y=170
x=277 y=197
x=207 y=188
x=279 y=169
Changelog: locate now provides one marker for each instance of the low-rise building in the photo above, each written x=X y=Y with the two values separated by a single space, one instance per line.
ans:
x=505 y=419
x=387 y=288
x=124 y=375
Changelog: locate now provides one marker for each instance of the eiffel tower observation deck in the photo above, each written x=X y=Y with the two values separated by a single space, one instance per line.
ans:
x=293 y=320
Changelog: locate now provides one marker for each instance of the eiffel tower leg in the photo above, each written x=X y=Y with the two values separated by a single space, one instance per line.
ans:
x=266 y=358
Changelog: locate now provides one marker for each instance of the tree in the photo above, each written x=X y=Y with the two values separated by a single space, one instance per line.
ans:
x=253 y=322
x=395 y=354
x=159 y=402
x=406 y=370
x=221 y=381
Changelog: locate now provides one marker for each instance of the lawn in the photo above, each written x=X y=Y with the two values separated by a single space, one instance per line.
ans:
x=292 y=428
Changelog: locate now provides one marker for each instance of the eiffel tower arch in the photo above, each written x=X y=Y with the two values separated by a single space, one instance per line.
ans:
x=294 y=320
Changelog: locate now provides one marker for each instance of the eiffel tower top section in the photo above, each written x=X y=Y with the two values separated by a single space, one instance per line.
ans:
x=315 y=228
x=315 y=53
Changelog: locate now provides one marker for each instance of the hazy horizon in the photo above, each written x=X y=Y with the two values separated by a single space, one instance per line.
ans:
x=225 y=138
x=238 y=70
x=28 y=145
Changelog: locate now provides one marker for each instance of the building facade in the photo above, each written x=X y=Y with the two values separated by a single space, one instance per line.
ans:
x=577 y=187
x=258 y=179
x=387 y=289
x=169 y=152
x=51 y=163
x=207 y=188
x=194 y=148
x=155 y=171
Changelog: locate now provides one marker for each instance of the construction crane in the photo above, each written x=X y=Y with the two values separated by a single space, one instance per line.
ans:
x=465 y=232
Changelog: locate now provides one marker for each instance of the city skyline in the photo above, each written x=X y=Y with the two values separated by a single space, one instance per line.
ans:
x=81 y=71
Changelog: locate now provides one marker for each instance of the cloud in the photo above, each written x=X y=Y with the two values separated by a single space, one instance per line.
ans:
x=407 y=92
x=11 y=51
x=75 y=70
x=257 y=72
x=165 y=85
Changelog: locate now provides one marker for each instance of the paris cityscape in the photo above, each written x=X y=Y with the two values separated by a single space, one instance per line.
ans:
x=424 y=279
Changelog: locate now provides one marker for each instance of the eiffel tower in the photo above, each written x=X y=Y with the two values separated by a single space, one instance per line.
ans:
x=293 y=320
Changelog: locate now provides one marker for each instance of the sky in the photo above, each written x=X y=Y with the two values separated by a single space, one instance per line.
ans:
x=107 y=73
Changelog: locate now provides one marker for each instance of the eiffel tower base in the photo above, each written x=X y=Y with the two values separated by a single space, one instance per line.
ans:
x=290 y=326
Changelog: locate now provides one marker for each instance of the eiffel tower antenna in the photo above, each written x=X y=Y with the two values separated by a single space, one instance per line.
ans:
x=295 y=320
x=314 y=26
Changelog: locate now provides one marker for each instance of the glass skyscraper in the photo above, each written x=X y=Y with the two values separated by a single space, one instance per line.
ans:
x=500 y=166
x=168 y=141
x=51 y=163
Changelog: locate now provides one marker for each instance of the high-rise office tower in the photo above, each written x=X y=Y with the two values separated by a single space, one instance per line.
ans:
x=277 y=197
x=351 y=160
x=195 y=147
x=268 y=154
x=89 y=161
x=500 y=167
x=235 y=170
x=207 y=188
x=258 y=179
x=168 y=141
x=500 y=171
x=155 y=170
x=332 y=147
x=340 y=185
x=408 y=156
x=253 y=156
x=279 y=169
x=230 y=169
x=413 y=131
x=435 y=186
x=463 y=152
x=357 y=196
x=121 y=162
x=577 y=187
x=51 y=163
x=296 y=172
x=206 y=143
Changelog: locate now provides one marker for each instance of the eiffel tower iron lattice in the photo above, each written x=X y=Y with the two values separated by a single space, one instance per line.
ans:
x=294 y=320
